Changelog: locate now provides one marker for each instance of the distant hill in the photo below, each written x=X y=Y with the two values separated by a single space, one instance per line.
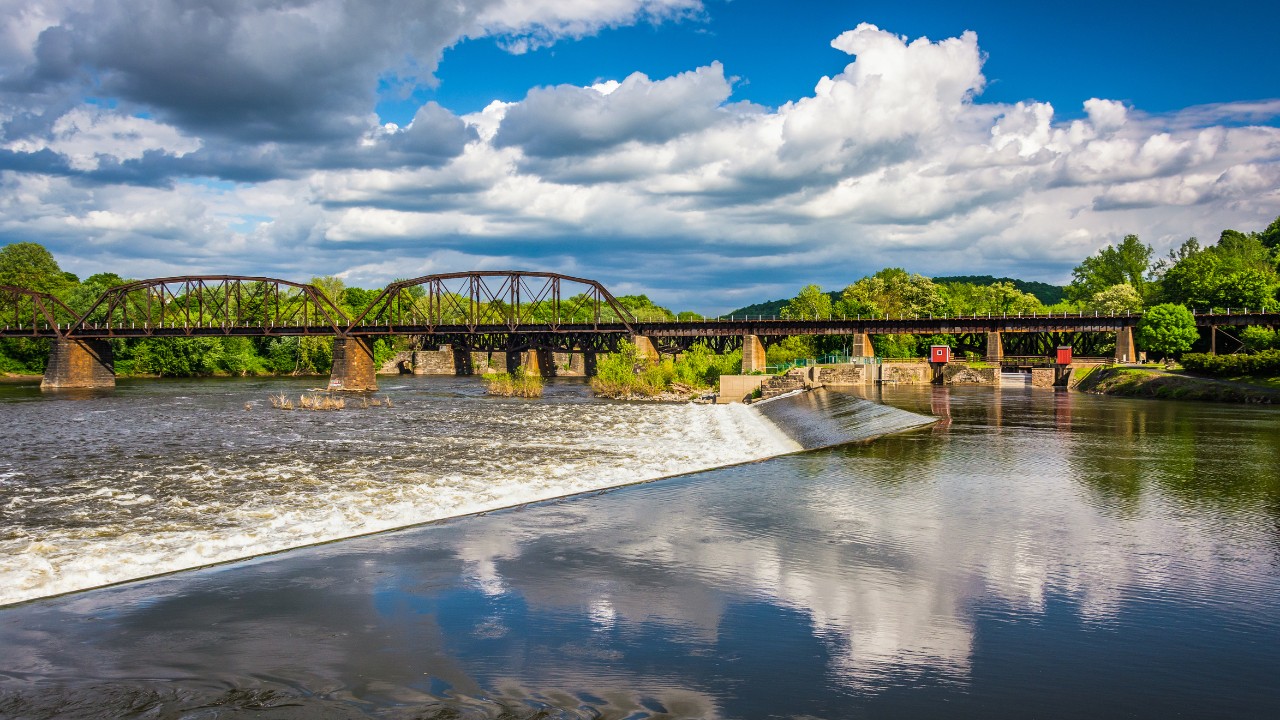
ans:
x=1044 y=292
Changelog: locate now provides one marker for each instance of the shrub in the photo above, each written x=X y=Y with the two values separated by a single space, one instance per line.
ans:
x=517 y=384
x=625 y=373
x=1256 y=338
x=1265 y=363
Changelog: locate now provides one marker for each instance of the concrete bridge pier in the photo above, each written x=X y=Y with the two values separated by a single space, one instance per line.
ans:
x=532 y=362
x=753 y=358
x=518 y=360
x=1125 y=351
x=79 y=364
x=546 y=361
x=995 y=347
x=353 y=368
x=463 y=363
x=644 y=348
x=861 y=346
x=583 y=363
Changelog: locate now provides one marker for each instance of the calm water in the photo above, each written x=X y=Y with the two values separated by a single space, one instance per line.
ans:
x=1032 y=554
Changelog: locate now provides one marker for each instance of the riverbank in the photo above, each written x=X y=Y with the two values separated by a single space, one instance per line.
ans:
x=1169 y=385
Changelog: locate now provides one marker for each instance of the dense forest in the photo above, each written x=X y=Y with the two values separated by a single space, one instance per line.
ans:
x=1240 y=270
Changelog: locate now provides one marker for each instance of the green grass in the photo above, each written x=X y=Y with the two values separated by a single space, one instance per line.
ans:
x=1261 y=380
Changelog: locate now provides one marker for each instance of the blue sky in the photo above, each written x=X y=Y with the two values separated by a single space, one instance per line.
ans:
x=709 y=154
x=1156 y=56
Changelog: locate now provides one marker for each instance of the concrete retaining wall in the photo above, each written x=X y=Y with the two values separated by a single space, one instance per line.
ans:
x=737 y=388
x=959 y=373
x=906 y=373
x=483 y=363
x=434 y=362
x=1052 y=377
x=1042 y=377
x=846 y=375
x=392 y=366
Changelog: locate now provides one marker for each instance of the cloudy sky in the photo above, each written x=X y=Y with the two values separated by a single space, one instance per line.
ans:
x=708 y=153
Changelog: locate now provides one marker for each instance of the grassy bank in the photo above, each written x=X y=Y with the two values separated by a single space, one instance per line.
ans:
x=1157 y=384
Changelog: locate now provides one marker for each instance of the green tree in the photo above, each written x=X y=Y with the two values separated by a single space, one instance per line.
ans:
x=1186 y=276
x=644 y=308
x=1244 y=289
x=893 y=292
x=1116 y=300
x=82 y=297
x=31 y=266
x=1167 y=329
x=240 y=358
x=1270 y=238
x=810 y=304
x=178 y=357
x=358 y=299
x=997 y=298
x=331 y=286
x=790 y=349
x=1243 y=251
x=1237 y=272
x=1129 y=262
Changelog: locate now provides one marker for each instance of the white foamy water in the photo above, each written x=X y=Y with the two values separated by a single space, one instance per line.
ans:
x=130 y=489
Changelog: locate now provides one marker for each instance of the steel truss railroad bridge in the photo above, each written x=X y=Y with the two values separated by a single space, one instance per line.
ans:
x=517 y=313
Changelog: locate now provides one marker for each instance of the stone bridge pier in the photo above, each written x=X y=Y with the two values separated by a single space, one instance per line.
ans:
x=79 y=364
x=353 y=368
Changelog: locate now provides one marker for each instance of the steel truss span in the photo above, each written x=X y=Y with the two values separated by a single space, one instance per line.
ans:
x=499 y=310
x=480 y=302
x=204 y=305
x=29 y=313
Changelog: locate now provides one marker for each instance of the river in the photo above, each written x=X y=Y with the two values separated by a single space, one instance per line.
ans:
x=1031 y=553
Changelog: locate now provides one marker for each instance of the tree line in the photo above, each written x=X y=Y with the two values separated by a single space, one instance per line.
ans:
x=1240 y=271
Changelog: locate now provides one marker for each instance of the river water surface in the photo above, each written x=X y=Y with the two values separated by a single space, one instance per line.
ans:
x=1031 y=554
